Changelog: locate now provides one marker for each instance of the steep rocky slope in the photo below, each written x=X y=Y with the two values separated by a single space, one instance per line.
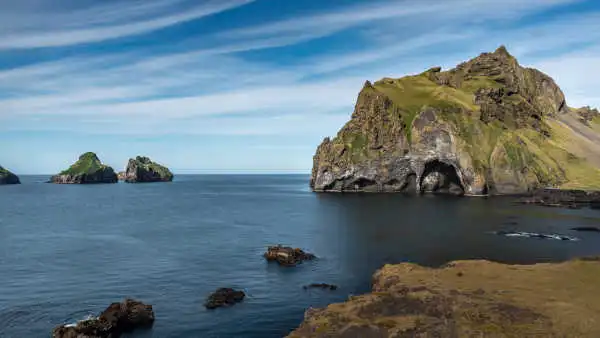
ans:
x=142 y=169
x=6 y=177
x=88 y=169
x=468 y=299
x=488 y=126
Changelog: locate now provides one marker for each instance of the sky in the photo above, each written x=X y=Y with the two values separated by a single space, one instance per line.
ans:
x=246 y=86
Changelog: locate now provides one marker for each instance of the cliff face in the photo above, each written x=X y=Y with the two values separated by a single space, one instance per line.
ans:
x=142 y=169
x=468 y=299
x=486 y=126
x=87 y=170
x=6 y=177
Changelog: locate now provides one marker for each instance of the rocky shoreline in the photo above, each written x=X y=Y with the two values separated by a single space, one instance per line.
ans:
x=466 y=299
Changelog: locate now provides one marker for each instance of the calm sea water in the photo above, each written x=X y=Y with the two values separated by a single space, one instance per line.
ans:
x=67 y=251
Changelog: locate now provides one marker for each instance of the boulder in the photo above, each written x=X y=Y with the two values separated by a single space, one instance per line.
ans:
x=224 y=297
x=287 y=256
x=321 y=286
x=6 y=177
x=117 y=319
x=141 y=169
x=87 y=170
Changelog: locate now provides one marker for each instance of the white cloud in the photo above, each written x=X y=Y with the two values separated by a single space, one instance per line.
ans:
x=62 y=33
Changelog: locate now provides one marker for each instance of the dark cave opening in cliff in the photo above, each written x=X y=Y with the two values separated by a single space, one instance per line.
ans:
x=441 y=177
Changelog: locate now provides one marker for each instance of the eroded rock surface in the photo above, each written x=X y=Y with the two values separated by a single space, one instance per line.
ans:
x=484 y=127
x=117 y=319
x=468 y=299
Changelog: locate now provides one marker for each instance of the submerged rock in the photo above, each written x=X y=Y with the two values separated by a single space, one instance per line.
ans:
x=588 y=229
x=321 y=286
x=474 y=298
x=287 y=256
x=224 y=297
x=142 y=169
x=6 y=177
x=484 y=127
x=117 y=319
x=87 y=170
x=535 y=235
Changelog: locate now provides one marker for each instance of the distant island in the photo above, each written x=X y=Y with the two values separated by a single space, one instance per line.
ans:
x=141 y=169
x=87 y=170
x=487 y=127
x=6 y=177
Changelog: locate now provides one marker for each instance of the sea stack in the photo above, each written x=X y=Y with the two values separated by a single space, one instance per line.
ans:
x=488 y=126
x=141 y=169
x=6 y=177
x=87 y=170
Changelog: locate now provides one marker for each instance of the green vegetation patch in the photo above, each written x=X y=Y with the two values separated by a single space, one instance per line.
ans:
x=87 y=163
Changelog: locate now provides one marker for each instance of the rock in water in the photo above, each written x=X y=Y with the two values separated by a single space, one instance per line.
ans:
x=87 y=170
x=6 y=177
x=287 y=256
x=488 y=126
x=121 y=175
x=321 y=286
x=117 y=319
x=224 y=297
x=142 y=169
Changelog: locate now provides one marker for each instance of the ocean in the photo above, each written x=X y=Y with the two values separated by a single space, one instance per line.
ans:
x=68 y=251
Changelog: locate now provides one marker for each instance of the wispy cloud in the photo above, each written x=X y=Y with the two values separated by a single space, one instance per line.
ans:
x=83 y=26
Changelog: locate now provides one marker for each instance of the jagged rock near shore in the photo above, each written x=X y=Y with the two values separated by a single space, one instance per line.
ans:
x=488 y=126
x=572 y=199
x=468 y=299
x=287 y=256
x=117 y=319
x=224 y=297
x=6 y=177
x=87 y=170
x=142 y=169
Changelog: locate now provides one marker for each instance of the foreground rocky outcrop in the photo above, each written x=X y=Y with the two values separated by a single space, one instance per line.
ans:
x=224 y=297
x=6 y=177
x=287 y=256
x=488 y=126
x=87 y=170
x=117 y=319
x=468 y=299
x=142 y=169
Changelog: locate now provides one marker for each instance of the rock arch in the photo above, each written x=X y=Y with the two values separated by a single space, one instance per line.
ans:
x=441 y=177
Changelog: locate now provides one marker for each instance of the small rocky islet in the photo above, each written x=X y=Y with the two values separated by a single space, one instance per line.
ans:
x=88 y=169
x=141 y=169
x=7 y=177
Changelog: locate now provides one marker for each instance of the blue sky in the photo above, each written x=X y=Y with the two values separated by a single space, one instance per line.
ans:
x=242 y=85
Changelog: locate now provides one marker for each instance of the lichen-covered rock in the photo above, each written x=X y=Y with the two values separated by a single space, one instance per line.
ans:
x=6 y=177
x=468 y=299
x=142 y=169
x=87 y=170
x=484 y=127
x=117 y=319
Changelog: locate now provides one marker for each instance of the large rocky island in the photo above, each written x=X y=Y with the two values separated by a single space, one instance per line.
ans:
x=468 y=299
x=87 y=170
x=6 y=177
x=142 y=169
x=488 y=126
